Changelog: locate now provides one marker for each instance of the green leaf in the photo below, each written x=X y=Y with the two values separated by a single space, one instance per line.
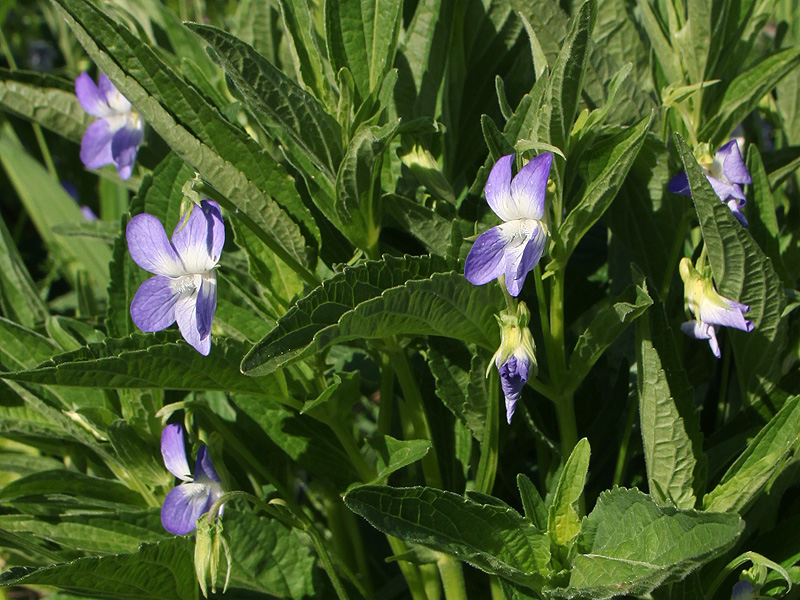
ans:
x=670 y=425
x=428 y=226
x=141 y=460
x=153 y=360
x=630 y=545
x=532 y=503
x=407 y=295
x=604 y=173
x=392 y=455
x=493 y=538
x=605 y=328
x=745 y=92
x=48 y=206
x=223 y=154
x=362 y=36
x=277 y=100
x=564 y=85
x=742 y=273
x=301 y=37
x=44 y=99
x=154 y=572
x=764 y=456
x=563 y=519
x=461 y=384
x=22 y=348
x=19 y=298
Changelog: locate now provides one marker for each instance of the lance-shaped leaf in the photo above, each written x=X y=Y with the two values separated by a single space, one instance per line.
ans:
x=301 y=36
x=154 y=572
x=492 y=537
x=392 y=455
x=153 y=360
x=604 y=173
x=277 y=100
x=224 y=155
x=19 y=298
x=630 y=545
x=671 y=437
x=362 y=36
x=743 y=273
x=563 y=519
x=764 y=456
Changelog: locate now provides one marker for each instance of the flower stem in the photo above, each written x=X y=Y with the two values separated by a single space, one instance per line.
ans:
x=622 y=455
x=387 y=396
x=452 y=576
x=564 y=401
x=674 y=254
x=487 y=464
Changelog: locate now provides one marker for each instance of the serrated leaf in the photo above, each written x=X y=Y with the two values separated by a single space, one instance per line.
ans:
x=19 y=297
x=630 y=545
x=563 y=518
x=153 y=360
x=302 y=40
x=606 y=327
x=764 y=456
x=604 y=173
x=671 y=437
x=743 y=273
x=392 y=455
x=493 y=538
x=154 y=572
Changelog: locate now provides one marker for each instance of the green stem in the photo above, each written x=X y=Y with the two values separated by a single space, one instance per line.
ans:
x=452 y=576
x=565 y=407
x=487 y=464
x=622 y=456
x=387 y=396
x=410 y=571
x=675 y=254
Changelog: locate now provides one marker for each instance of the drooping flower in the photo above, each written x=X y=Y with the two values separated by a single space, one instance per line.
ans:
x=515 y=359
x=726 y=172
x=117 y=134
x=743 y=590
x=513 y=248
x=184 y=288
x=710 y=309
x=187 y=502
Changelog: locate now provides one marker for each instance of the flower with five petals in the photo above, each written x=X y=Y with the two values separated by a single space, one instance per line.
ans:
x=514 y=247
x=184 y=288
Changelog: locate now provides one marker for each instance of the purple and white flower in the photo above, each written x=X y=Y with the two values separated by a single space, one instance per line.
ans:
x=743 y=590
x=726 y=172
x=515 y=359
x=193 y=498
x=515 y=247
x=117 y=134
x=710 y=309
x=184 y=288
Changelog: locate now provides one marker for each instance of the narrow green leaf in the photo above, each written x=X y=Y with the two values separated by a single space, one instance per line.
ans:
x=301 y=36
x=428 y=226
x=563 y=519
x=19 y=297
x=629 y=545
x=532 y=503
x=495 y=539
x=667 y=56
x=141 y=459
x=742 y=273
x=154 y=360
x=23 y=348
x=604 y=172
x=154 y=572
x=764 y=456
x=392 y=455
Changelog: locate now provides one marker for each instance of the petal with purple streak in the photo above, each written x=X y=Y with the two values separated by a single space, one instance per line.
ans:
x=529 y=187
x=96 y=145
x=519 y=264
x=732 y=163
x=124 y=147
x=153 y=305
x=204 y=470
x=150 y=248
x=199 y=237
x=726 y=190
x=186 y=316
x=206 y=303
x=91 y=99
x=485 y=259
x=735 y=207
x=513 y=376
x=714 y=314
x=498 y=189
x=183 y=505
x=174 y=452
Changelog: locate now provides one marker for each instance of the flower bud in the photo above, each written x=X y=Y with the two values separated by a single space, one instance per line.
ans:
x=515 y=359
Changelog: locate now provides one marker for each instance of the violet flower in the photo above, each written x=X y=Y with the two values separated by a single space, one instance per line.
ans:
x=513 y=248
x=725 y=172
x=184 y=288
x=743 y=590
x=709 y=308
x=114 y=138
x=193 y=498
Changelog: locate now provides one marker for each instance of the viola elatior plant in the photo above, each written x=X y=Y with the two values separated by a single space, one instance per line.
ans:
x=184 y=288
x=514 y=247
x=726 y=172
x=193 y=498
x=115 y=138
x=515 y=359
x=709 y=308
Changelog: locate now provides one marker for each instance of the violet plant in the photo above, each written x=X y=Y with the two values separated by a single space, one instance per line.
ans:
x=394 y=224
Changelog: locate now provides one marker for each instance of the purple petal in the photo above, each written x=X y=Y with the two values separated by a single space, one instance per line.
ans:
x=529 y=187
x=485 y=259
x=680 y=185
x=702 y=331
x=712 y=342
x=731 y=316
x=150 y=248
x=153 y=305
x=110 y=93
x=519 y=264
x=726 y=190
x=186 y=315
x=88 y=213
x=732 y=164
x=743 y=590
x=498 y=189
x=206 y=303
x=204 y=470
x=184 y=505
x=199 y=242
x=96 y=145
x=90 y=97
x=124 y=147
x=513 y=376
x=735 y=206
x=174 y=452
